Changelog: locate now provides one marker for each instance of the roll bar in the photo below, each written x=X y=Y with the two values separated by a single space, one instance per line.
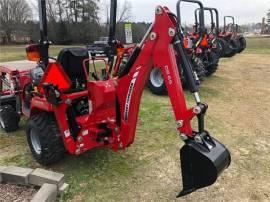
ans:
x=44 y=41
x=202 y=27
x=211 y=14
x=212 y=17
x=228 y=16
x=217 y=17
x=112 y=21
x=111 y=41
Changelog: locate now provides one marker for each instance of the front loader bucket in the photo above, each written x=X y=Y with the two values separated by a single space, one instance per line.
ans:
x=202 y=161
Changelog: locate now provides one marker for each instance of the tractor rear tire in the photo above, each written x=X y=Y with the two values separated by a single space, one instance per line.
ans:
x=158 y=86
x=232 y=48
x=9 y=118
x=44 y=139
x=222 y=46
x=238 y=45
x=199 y=68
x=243 y=43
x=156 y=83
x=213 y=60
x=218 y=49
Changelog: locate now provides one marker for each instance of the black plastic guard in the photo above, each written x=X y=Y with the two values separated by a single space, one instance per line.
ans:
x=202 y=162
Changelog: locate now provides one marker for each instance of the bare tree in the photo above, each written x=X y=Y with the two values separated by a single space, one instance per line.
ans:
x=13 y=14
x=268 y=17
x=124 y=12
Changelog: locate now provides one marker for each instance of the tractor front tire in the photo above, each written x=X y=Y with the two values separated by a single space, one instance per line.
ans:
x=9 y=118
x=44 y=139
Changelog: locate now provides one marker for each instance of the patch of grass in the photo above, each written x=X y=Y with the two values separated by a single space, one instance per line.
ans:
x=258 y=45
x=23 y=159
x=101 y=166
x=17 y=52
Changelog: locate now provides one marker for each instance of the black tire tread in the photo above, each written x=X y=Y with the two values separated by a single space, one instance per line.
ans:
x=213 y=60
x=10 y=118
x=243 y=43
x=231 y=51
x=222 y=43
x=52 y=147
x=162 y=90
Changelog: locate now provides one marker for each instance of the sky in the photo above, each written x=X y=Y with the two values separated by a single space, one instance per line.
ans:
x=244 y=11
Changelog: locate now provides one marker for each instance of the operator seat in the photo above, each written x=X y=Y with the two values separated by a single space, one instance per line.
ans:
x=71 y=59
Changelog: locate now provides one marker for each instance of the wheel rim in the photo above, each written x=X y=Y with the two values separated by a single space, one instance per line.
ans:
x=2 y=123
x=156 y=77
x=35 y=141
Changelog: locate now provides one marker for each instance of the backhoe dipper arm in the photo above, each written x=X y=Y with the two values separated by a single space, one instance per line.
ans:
x=155 y=50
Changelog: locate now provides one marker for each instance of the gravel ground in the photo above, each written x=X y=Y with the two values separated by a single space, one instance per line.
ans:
x=16 y=193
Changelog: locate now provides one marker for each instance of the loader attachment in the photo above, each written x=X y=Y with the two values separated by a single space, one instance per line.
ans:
x=203 y=158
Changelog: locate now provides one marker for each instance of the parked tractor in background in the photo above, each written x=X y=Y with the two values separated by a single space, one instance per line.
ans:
x=236 y=42
x=213 y=33
x=68 y=112
x=210 y=49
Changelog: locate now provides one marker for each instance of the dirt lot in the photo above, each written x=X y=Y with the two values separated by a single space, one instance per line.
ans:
x=238 y=96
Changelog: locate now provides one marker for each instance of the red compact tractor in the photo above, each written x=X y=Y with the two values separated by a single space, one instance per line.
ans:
x=213 y=33
x=68 y=112
x=235 y=42
x=207 y=49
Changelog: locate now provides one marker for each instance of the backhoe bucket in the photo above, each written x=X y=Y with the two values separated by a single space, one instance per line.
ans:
x=202 y=161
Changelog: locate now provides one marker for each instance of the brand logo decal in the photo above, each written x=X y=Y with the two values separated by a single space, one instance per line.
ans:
x=168 y=74
x=130 y=90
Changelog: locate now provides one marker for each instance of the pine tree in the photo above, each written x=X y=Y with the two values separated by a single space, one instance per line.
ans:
x=268 y=17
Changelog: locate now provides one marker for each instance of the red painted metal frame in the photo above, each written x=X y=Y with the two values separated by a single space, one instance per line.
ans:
x=22 y=76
